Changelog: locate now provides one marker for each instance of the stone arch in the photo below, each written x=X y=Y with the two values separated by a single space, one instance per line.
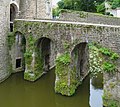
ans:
x=45 y=49
x=79 y=55
x=14 y=8
x=19 y=50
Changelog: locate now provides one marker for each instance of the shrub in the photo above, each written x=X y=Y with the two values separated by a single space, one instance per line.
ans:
x=105 y=51
x=108 y=67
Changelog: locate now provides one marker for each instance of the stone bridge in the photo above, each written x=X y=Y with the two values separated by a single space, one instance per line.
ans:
x=39 y=45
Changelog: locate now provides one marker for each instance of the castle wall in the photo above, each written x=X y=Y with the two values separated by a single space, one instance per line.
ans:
x=44 y=10
x=86 y=17
x=4 y=28
x=36 y=9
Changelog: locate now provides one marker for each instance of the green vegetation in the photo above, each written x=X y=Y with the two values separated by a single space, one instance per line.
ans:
x=96 y=6
x=108 y=67
x=65 y=75
x=55 y=12
x=102 y=59
x=114 y=3
x=105 y=51
x=101 y=8
x=111 y=103
x=95 y=60
x=29 y=50
x=11 y=39
x=36 y=70
x=114 y=56
x=80 y=5
x=64 y=59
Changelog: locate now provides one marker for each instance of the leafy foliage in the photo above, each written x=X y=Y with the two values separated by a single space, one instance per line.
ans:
x=102 y=59
x=108 y=67
x=64 y=58
x=101 y=8
x=114 y=56
x=105 y=51
x=80 y=5
x=115 y=4
x=55 y=12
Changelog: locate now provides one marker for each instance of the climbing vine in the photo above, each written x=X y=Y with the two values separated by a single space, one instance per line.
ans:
x=102 y=59
x=11 y=39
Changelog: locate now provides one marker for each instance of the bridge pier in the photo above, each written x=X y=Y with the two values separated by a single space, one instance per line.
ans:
x=71 y=63
x=71 y=69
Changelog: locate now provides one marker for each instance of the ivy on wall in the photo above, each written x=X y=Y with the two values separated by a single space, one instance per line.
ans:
x=11 y=39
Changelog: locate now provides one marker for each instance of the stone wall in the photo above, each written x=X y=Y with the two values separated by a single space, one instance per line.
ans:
x=34 y=9
x=73 y=33
x=80 y=16
x=17 y=50
x=65 y=37
x=4 y=28
x=112 y=88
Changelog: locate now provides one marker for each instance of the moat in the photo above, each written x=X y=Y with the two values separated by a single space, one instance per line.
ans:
x=16 y=92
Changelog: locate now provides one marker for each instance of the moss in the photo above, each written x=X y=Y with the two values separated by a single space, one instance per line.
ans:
x=112 y=85
x=37 y=69
x=82 y=14
x=108 y=101
x=111 y=103
x=11 y=39
x=65 y=74
x=66 y=45
x=29 y=50
x=64 y=89
x=31 y=76
x=64 y=59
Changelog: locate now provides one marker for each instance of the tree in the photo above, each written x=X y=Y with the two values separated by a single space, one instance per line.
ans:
x=101 y=8
x=61 y=4
x=80 y=5
x=115 y=4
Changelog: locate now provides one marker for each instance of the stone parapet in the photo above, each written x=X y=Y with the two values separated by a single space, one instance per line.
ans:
x=80 y=16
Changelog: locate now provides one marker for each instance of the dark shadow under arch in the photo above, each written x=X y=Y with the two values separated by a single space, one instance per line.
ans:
x=43 y=45
x=80 y=58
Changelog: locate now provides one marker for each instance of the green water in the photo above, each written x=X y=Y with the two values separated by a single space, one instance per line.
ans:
x=16 y=92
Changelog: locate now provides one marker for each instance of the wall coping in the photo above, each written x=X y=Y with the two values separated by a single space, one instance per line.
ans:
x=68 y=22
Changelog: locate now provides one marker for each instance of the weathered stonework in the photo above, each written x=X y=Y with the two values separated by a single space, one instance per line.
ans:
x=112 y=88
x=49 y=43
x=65 y=38
x=35 y=9
x=5 y=70
x=80 y=16
x=9 y=10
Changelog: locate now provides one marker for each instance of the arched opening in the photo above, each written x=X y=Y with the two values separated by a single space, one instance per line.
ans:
x=44 y=45
x=80 y=59
x=13 y=12
x=20 y=48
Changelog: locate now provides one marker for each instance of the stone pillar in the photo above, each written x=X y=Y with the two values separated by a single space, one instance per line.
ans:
x=4 y=28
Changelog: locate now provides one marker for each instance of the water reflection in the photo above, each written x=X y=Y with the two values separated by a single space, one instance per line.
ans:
x=16 y=92
x=96 y=91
